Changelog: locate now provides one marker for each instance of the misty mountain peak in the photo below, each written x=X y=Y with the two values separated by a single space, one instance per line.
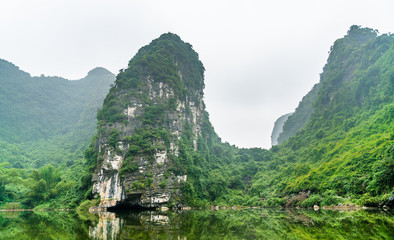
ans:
x=98 y=71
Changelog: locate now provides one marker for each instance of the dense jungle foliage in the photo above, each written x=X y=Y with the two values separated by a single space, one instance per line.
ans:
x=338 y=146
x=46 y=124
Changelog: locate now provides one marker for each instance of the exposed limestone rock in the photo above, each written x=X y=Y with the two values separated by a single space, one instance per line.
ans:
x=130 y=111
x=135 y=163
x=161 y=157
x=106 y=182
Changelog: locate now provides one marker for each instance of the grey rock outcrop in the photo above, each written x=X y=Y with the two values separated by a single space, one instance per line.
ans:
x=278 y=128
x=137 y=163
x=297 y=120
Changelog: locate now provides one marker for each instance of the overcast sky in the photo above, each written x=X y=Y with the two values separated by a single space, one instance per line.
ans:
x=261 y=57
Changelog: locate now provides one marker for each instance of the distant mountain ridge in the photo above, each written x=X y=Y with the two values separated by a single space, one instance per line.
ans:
x=42 y=109
x=356 y=39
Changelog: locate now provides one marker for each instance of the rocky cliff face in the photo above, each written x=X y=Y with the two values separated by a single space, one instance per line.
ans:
x=278 y=128
x=297 y=120
x=155 y=103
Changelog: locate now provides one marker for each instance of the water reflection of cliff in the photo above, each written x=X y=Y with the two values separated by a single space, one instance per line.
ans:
x=108 y=227
x=112 y=226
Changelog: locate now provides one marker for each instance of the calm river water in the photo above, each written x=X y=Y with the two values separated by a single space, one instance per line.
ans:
x=222 y=224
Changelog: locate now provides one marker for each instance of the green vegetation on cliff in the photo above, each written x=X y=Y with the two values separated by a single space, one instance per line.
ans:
x=161 y=60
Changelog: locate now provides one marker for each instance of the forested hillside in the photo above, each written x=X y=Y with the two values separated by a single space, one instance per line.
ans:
x=47 y=119
x=46 y=124
x=345 y=151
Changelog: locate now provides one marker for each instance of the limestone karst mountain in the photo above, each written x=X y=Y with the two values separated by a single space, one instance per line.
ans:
x=155 y=103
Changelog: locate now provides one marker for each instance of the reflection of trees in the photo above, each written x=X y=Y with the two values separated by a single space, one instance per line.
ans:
x=300 y=217
x=265 y=224
x=222 y=224
x=42 y=225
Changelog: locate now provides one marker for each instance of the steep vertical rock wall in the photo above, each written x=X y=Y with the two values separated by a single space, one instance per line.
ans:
x=155 y=103
x=297 y=120
x=278 y=128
